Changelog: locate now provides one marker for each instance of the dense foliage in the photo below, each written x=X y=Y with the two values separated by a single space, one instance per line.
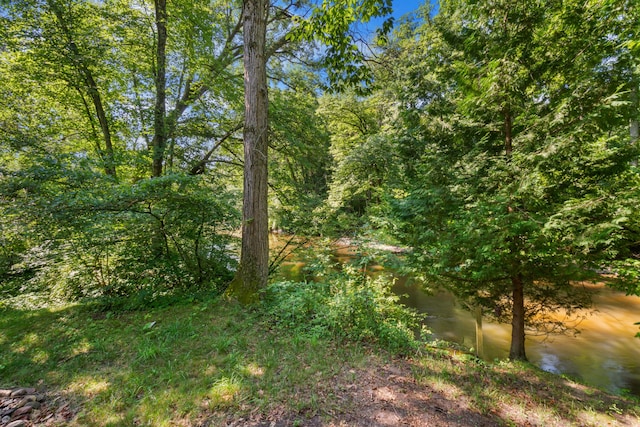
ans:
x=116 y=239
x=525 y=180
x=347 y=304
x=80 y=142
x=498 y=140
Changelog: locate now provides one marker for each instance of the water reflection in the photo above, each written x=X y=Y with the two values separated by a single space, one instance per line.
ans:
x=551 y=363
x=604 y=353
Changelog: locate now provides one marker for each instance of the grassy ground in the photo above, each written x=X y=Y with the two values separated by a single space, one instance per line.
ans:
x=214 y=363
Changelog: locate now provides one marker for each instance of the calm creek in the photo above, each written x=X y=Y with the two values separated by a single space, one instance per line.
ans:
x=605 y=353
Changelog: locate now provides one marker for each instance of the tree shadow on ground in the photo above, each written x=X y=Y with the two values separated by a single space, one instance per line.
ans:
x=221 y=365
x=521 y=394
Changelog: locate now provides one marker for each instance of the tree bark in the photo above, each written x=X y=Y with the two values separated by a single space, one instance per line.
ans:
x=159 y=142
x=634 y=128
x=508 y=134
x=517 y=351
x=253 y=270
x=109 y=167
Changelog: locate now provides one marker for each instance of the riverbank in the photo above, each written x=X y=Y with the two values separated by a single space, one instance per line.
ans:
x=214 y=363
x=599 y=347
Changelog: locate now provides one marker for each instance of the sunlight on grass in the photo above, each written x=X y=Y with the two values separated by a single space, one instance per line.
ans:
x=88 y=386
x=221 y=365
x=448 y=389
x=83 y=347
x=439 y=377
x=40 y=356
x=106 y=419
x=576 y=386
x=593 y=418
x=211 y=370
x=515 y=413
x=223 y=391
x=28 y=340
x=165 y=408
x=252 y=369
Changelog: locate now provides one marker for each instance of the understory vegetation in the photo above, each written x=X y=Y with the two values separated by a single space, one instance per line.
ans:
x=348 y=305
x=150 y=149
x=210 y=361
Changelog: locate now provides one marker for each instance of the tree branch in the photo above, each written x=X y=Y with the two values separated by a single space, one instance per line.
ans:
x=199 y=167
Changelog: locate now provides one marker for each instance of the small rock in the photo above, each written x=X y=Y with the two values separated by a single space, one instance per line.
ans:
x=34 y=404
x=40 y=397
x=35 y=415
x=25 y=400
x=5 y=392
x=5 y=419
x=19 y=392
x=22 y=411
x=17 y=423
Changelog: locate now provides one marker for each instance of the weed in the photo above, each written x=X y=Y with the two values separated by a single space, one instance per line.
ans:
x=224 y=390
x=222 y=344
x=613 y=409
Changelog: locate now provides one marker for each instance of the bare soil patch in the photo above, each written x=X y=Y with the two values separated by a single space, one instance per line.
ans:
x=390 y=393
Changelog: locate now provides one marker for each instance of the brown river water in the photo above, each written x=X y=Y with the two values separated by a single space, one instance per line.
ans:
x=605 y=353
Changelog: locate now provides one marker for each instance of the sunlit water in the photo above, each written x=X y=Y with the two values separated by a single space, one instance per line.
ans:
x=605 y=353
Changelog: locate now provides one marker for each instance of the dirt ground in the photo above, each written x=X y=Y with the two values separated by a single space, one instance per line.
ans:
x=381 y=396
x=390 y=397
x=387 y=394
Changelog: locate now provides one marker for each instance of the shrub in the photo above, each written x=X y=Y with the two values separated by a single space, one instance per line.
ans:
x=346 y=304
x=112 y=239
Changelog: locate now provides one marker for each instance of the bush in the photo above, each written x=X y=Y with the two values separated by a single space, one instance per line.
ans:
x=346 y=304
x=100 y=238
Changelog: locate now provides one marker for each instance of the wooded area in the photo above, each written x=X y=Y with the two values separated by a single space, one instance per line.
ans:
x=497 y=140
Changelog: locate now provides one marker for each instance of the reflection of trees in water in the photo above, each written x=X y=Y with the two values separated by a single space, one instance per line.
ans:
x=603 y=353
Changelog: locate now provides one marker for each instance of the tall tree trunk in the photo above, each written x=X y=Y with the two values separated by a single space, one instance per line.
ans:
x=253 y=270
x=159 y=244
x=634 y=128
x=109 y=160
x=508 y=134
x=517 y=351
x=159 y=142
x=91 y=87
x=517 y=319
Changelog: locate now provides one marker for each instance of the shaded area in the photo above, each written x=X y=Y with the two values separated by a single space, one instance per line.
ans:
x=213 y=363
